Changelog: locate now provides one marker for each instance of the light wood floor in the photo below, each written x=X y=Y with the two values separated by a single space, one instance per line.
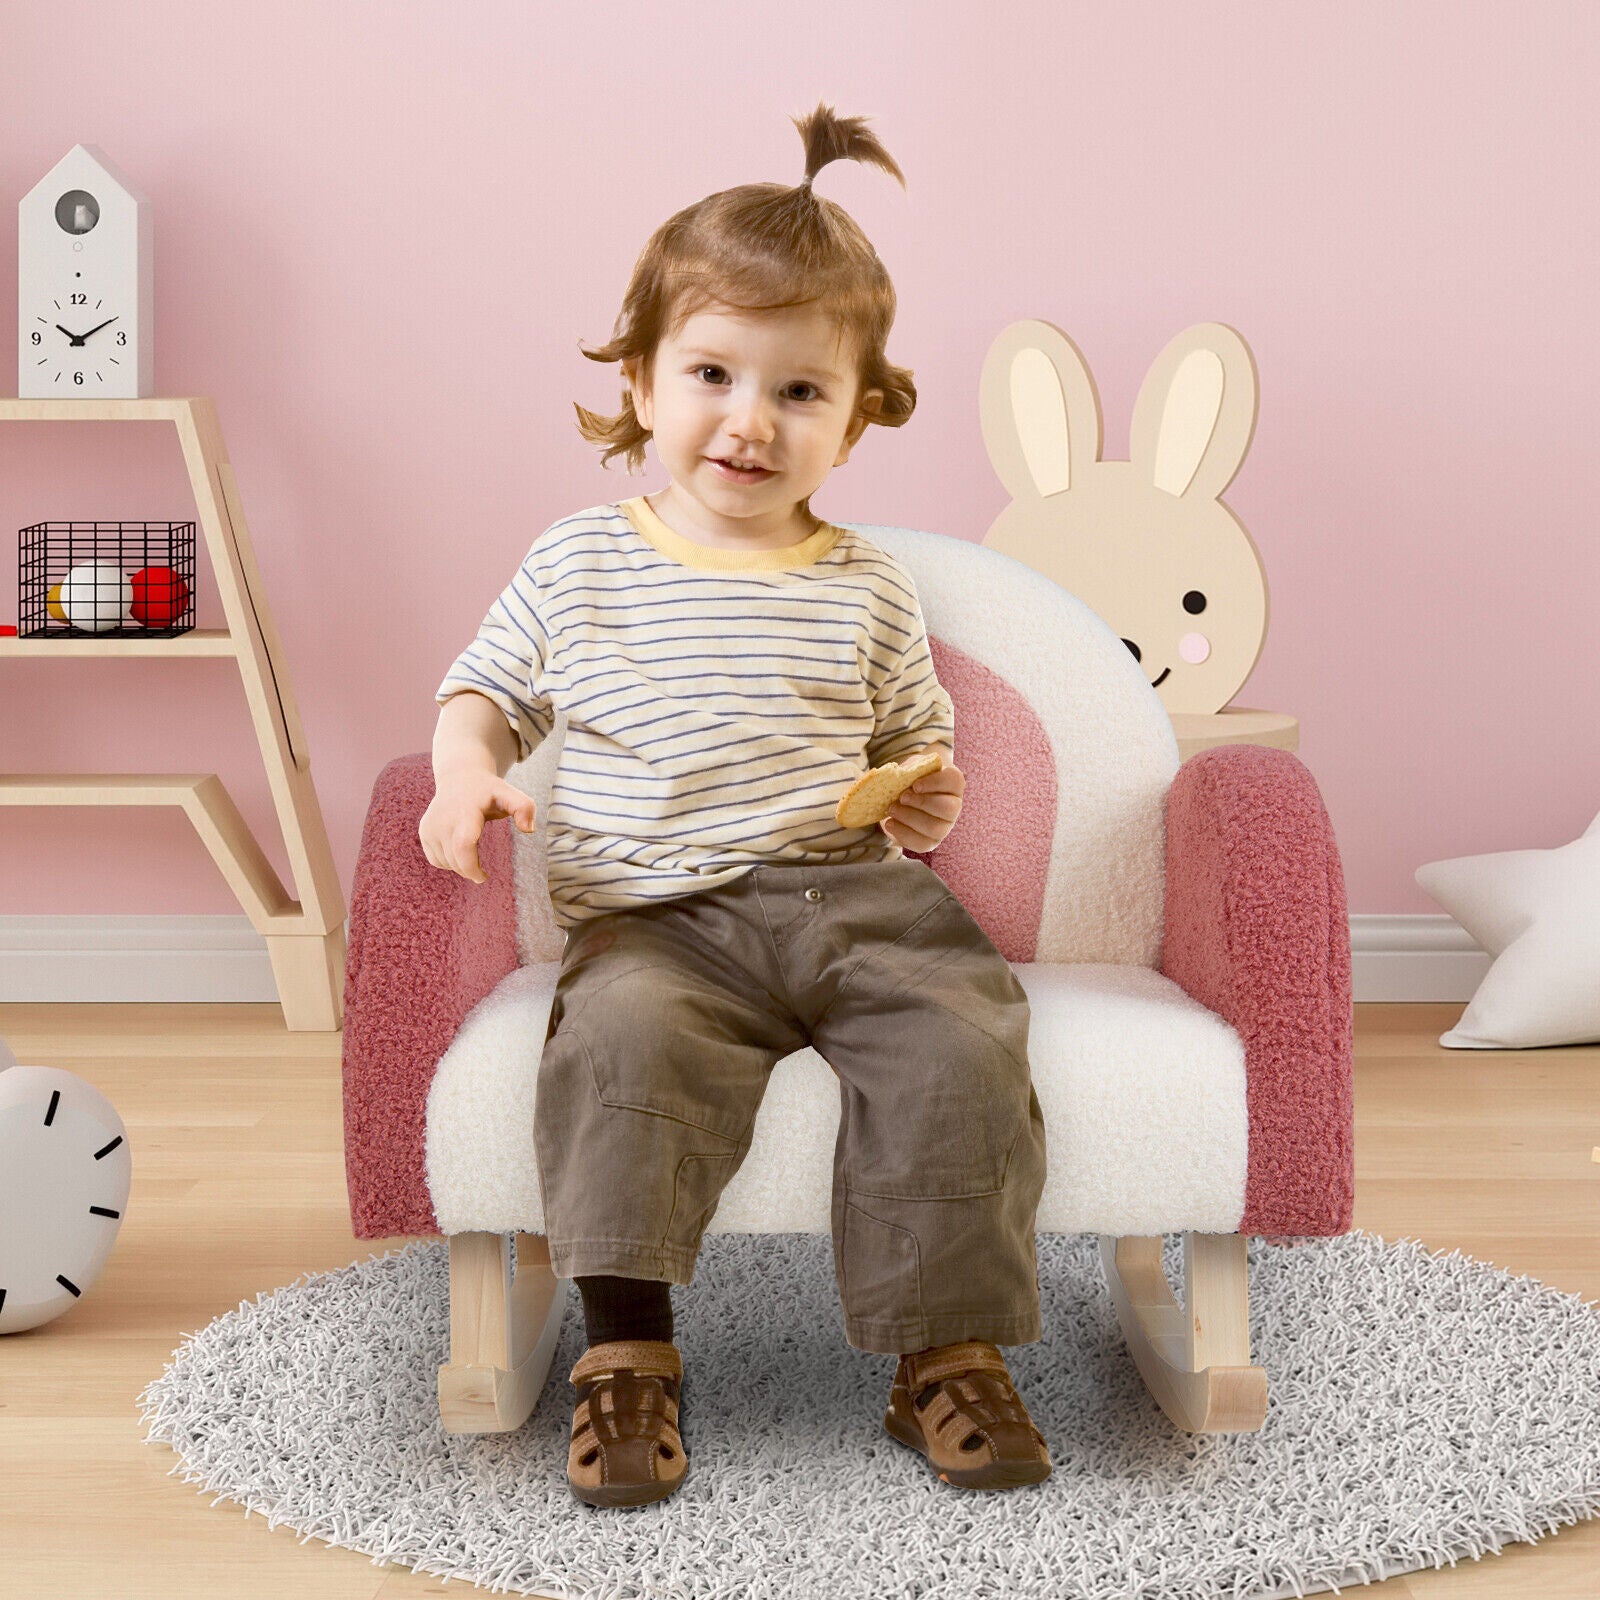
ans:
x=238 y=1187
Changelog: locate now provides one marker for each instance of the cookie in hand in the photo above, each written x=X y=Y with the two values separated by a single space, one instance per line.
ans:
x=869 y=799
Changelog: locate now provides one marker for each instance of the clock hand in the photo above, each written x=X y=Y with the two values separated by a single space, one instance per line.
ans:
x=78 y=338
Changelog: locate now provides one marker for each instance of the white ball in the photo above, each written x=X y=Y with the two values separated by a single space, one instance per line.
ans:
x=96 y=598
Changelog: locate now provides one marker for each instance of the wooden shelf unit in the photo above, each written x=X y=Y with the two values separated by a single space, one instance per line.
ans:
x=196 y=642
x=304 y=932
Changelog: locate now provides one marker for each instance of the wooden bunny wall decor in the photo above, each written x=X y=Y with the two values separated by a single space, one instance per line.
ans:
x=1146 y=543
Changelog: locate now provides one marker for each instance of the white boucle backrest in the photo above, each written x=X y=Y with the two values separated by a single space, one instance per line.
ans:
x=1115 y=751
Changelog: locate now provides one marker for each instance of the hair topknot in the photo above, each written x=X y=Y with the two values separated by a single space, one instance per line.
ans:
x=762 y=247
x=829 y=137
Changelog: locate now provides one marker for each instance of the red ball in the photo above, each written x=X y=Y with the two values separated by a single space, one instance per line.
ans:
x=159 y=595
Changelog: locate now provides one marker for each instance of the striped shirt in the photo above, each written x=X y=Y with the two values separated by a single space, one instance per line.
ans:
x=718 y=701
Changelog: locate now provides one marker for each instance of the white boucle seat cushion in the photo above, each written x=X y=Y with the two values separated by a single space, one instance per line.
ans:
x=1142 y=1090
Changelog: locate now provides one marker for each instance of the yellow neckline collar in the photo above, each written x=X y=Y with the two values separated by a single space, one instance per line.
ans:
x=649 y=526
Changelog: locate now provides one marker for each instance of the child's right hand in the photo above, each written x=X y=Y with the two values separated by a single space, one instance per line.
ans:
x=453 y=823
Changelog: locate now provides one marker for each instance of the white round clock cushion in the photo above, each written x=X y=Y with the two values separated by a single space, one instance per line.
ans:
x=65 y=1172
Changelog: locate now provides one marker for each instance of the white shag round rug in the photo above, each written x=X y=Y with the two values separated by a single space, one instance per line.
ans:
x=1423 y=1408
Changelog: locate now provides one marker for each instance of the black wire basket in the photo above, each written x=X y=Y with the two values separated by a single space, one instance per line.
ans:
x=105 y=580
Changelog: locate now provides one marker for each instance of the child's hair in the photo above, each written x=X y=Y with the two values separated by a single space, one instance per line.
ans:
x=762 y=247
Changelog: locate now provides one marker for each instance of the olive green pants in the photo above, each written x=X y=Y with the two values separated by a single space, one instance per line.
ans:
x=667 y=1022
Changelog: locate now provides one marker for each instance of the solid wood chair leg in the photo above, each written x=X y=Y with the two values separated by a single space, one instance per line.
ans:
x=309 y=971
x=503 y=1329
x=1194 y=1357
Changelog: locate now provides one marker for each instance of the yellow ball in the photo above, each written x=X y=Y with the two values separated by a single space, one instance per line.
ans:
x=54 y=603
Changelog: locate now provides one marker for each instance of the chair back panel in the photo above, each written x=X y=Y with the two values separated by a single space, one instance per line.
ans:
x=996 y=859
x=1067 y=751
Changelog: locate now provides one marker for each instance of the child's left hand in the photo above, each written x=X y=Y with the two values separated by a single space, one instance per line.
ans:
x=927 y=811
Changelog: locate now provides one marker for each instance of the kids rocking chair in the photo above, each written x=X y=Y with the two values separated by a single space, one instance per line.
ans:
x=1180 y=932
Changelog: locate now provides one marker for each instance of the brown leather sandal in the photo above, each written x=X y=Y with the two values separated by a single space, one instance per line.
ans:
x=956 y=1404
x=625 y=1449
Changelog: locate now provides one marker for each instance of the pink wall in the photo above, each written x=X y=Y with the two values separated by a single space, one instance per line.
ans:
x=382 y=230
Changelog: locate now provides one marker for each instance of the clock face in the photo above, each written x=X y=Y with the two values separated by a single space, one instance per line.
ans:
x=78 y=343
x=65 y=1174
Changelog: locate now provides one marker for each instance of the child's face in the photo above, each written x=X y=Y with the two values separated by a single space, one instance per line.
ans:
x=774 y=387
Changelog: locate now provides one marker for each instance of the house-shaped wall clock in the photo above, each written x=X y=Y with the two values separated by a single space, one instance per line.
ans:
x=85 y=284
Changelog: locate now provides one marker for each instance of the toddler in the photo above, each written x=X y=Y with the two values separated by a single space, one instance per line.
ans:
x=728 y=664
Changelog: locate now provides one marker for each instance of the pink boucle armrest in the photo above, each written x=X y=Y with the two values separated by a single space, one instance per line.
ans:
x=425 y=947
x=1257 y=931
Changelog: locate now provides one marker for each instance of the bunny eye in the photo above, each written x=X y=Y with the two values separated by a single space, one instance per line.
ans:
x=1194 y=602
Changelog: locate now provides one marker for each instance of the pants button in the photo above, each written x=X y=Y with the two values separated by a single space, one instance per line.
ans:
x=813 y=894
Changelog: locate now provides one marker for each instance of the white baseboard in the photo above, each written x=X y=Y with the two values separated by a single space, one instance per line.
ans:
x=1403 y=957
x=179 y=959
x=167 y=959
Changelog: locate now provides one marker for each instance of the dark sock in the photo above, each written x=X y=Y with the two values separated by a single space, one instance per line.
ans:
x=626 y=1308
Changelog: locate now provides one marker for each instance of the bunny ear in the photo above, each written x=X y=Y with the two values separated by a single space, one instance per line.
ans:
x=1196 y=412
x=1039 y=410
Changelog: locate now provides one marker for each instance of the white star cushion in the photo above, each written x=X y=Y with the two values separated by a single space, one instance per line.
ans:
x=1537 y=912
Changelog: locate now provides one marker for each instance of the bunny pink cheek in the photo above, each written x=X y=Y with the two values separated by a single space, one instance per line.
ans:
x=1194 y=648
